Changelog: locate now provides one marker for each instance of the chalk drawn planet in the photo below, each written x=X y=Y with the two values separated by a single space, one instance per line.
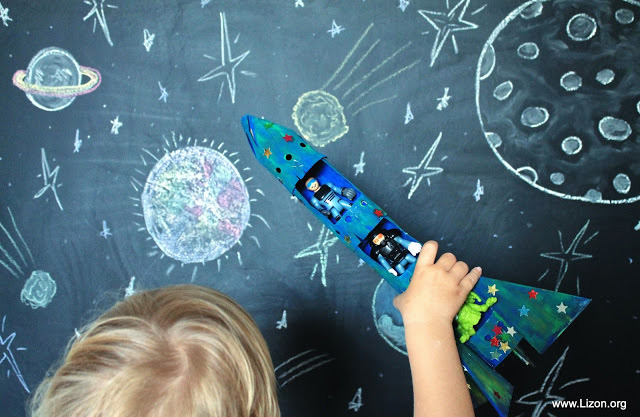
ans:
x=195 y=204
x=53 y=79
x=557 y=90
x=387 y=318
x=319 y=117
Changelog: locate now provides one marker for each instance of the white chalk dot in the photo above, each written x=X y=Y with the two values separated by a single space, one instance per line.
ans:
x=622 y=183
x=557 y=178
x=571 y=81
x=531 y=11
x=612 y=128
x=534 y=116
x=571 y=145
x=528 y=50
x=638 y=107
x=624 y=16
x=593 y=195
x=503 y=90
x=494 y=139
x=581 y=27
x=488 y=62
x=605 y=76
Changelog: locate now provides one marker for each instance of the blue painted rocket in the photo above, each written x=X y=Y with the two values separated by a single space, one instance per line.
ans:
x=518 y=312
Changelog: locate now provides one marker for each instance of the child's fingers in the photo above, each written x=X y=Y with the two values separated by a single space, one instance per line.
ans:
x=469 y=281
x=459 y=269
x=427 y=254
x=446 y=261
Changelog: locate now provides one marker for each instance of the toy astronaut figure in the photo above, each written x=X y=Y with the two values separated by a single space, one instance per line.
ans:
x=326 y=198
x=394 y=252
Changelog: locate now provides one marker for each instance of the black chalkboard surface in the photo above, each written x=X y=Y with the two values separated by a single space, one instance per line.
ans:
x=507 y=131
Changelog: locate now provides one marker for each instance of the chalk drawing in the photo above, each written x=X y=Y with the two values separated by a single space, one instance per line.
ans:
x=163 y=93
x=299 y=3
x=130 y=290
x=53 y=79
x=443 y=102
x=39 y=289
x=319 y=115
x=446 y=24
x=116 y=124
x=105 y=230
x=8 y=355
x=387 y=318
x=479 y=191
x=403 y=5
x=325 y=240
x=282 y=323
x=4 y=15
x=408 y=115
x=591 y=166
x=204 y=3
x=568 y=255
x=227 y=68
x=335 y=29
x=77 y=143
x=50 y=179
x=546 y=394
x=360 y=165
x=299 y=365
x=356 y=401
x=422 y=170
x=97 y=11
x=637 y=227
x=194 y=201
x=148 y=39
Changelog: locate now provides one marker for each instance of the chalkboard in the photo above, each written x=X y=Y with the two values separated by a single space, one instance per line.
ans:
x=507 y=131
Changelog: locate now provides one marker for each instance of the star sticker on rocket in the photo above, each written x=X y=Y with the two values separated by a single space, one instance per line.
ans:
x=568 y=255
x=228 y=65
x=446 y=23
x=267 y=152
x=562 y=308
x=288 y=138
x=423 y=170
x=492 y=289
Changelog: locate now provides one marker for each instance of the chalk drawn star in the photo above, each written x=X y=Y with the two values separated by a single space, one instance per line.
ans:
x=403 y=5
x=77 y=143
x=4 y=15
x=325 y=240
x=47 y=175
x=148 y=39
x=98 y=13
x=229 y=64
x=299 y=3
x=105 y=230
x=423 y=170
x=7 y=353
x=479 y=191
x=360 y=165
x=408 y=115
x=543 y=397
x=566 y=256
x=116 y=124
x=163 y=93
x=446 y=23
x=335 y=29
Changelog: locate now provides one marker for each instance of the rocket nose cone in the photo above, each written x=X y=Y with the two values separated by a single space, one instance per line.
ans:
x=248 y=123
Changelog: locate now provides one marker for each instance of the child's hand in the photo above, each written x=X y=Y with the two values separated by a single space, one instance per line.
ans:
x=437 y=289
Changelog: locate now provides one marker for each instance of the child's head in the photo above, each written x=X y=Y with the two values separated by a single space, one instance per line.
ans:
x=177 y=351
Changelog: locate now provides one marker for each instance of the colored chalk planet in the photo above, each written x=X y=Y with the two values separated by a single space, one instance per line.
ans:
x=195 y=204
x=53 y=79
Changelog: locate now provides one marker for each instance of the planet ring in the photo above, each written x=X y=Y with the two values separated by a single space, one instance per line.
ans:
x=59 y=91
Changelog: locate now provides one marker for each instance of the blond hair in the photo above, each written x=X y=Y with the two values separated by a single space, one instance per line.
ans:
x=177 y=351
